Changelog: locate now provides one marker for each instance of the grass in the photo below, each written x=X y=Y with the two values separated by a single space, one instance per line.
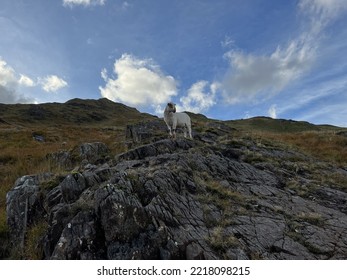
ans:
x=311 y=218
x=32 y=249
x=220 y=240
x=323 y=145
x=229 y=202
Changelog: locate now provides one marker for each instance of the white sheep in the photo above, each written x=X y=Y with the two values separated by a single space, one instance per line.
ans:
x=173 y=120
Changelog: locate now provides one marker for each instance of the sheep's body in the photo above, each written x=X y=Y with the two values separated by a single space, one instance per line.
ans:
x=174 y=120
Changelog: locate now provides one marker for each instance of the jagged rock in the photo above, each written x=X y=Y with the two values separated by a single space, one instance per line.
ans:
x=184 y=199
x=145 y=132
x=93 y=152
x=24 y=206
x=155 y=149
x=80 y=239
x=72 y=187
x=38 y=138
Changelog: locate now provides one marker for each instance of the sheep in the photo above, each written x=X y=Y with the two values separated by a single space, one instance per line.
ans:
x=173 y=120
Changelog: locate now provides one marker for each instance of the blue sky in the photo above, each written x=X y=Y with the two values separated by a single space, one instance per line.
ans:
x=227 y=59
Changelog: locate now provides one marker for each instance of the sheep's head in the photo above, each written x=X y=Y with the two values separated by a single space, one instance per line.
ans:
x=172 y=107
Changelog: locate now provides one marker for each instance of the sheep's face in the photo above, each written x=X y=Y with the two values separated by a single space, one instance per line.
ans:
x=172 y=107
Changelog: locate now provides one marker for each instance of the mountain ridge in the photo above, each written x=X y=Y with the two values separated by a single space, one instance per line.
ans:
x=103 y=111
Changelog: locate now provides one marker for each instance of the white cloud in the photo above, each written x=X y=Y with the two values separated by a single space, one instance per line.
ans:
x=322 y=12
x=125 y=5
x=26 y=81
x=52 y=83
x=7 y=75
x=228 y=42
x=104 y=74
x=251 y=76
x=138 y=82
x=9 y=83
x=323 y=9
x=273 y=112
x=198 y=99
x=71 y=3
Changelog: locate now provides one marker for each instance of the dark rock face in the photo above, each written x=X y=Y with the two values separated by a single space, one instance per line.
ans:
x=145 y=132
x=24 y=206
x=93 y=151
x=184 y=199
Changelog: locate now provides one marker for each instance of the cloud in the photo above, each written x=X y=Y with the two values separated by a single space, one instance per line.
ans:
x=52 y=83
x=7 y=75
x=273 y=112
x=198 y=99
x=86 y=3
x=10 y=96
x=104 y=74
x=228 y=42
x=9 y=84
x=323 y=10
x=138 y=82
x=252 y=77
x=26 y=81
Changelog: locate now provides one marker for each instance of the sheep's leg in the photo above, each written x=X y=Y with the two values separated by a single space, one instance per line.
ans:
x=190 y=131
x=185 y=131
x=174 y=129
x=170 y=133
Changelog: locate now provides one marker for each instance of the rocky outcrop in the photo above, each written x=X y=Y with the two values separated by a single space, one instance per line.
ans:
x=94 y=153
x=24 y=206
x=145 y=132
x=214 y=197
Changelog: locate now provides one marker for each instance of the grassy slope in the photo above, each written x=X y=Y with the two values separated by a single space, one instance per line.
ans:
x=278 y=125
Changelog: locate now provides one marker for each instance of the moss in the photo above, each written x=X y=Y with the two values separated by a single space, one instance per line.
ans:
x=52 y=183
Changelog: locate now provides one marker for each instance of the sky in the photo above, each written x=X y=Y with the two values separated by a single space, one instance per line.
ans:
x=226 y=59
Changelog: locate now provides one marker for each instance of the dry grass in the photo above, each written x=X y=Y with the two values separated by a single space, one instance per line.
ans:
x=221 y=241
x=326 y=145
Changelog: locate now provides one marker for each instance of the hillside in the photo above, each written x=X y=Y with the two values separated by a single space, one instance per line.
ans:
x=102 y=187
x=73 y=112
x=278 y=125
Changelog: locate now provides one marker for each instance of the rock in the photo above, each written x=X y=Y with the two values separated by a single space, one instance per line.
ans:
x=80 y=239
x=122 y=216
x=93 y=152
x=24 y=206
x=38 y=138
x=72 y=186
x=145 y=132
